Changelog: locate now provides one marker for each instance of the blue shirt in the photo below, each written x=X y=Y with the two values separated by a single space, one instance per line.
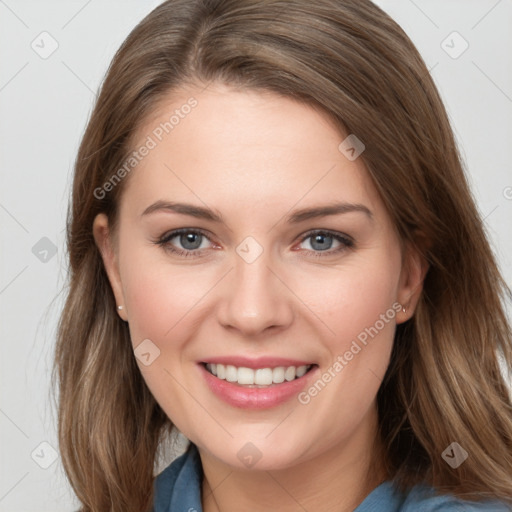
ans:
x=178 y=489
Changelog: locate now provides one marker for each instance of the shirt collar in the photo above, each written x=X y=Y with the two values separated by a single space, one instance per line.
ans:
x=184 y=486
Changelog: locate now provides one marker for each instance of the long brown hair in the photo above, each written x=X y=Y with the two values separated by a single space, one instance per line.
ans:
x=350 y=59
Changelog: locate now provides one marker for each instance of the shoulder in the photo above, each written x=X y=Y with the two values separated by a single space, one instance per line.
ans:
x=422 y=498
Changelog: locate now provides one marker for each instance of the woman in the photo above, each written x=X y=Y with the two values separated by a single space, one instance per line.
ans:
x=274 y=249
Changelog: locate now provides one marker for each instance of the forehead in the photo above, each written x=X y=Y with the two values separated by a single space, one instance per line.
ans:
x=249 y=149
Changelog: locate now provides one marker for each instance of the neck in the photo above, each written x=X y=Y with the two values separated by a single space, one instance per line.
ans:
x=336 y=480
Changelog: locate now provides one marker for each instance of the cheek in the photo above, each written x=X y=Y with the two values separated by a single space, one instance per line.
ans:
x=356 y=304
x=156 y=295
x=162 y=302
x=352 y=298
x=159 y=300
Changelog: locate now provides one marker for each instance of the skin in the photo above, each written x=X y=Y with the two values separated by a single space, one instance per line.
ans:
x=255 y=157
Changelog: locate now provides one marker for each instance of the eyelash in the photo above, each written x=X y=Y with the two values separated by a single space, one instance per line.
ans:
x=163 y=242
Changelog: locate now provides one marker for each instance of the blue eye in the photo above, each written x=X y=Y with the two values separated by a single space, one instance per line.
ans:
x=322 y=242
x=191 y=239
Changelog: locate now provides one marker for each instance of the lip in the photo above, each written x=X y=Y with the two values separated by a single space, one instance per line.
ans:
x=257 y=362
x=256 y=398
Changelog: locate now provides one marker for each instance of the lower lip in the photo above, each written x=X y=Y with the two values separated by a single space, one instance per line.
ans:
x=256 y=398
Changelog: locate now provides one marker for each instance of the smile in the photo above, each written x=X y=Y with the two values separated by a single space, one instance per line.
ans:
x=259 y=377
x=245 y=392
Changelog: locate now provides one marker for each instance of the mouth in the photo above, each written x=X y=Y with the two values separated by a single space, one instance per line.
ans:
x=259 y=377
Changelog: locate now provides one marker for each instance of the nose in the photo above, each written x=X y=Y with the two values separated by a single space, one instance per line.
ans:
x=255 y=298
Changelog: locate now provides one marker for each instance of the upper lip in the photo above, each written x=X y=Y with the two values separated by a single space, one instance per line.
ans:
x=257 y=362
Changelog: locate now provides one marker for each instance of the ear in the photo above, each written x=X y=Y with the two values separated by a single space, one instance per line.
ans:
x=414 y=270
x=105 y=243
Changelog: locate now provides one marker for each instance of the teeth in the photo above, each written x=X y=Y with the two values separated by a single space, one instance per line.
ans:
x=301 y=370
x=278 y=375
x=260 y=377
x=231 y=374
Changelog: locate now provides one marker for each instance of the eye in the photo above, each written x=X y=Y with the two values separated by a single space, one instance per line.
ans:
x=191 y=242
x=189 y=239
x=322 y=241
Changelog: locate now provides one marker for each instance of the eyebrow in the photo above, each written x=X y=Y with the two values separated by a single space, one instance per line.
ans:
x=295 y=218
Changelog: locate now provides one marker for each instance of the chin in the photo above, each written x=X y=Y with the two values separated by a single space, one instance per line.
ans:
x=259 y=455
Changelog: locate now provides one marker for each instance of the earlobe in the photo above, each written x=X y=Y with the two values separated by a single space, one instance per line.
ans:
x=105 y=244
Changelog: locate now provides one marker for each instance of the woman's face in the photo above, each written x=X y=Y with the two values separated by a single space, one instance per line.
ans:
x=257 y=273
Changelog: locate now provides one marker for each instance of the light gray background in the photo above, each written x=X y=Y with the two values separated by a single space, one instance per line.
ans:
x=45 y=104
